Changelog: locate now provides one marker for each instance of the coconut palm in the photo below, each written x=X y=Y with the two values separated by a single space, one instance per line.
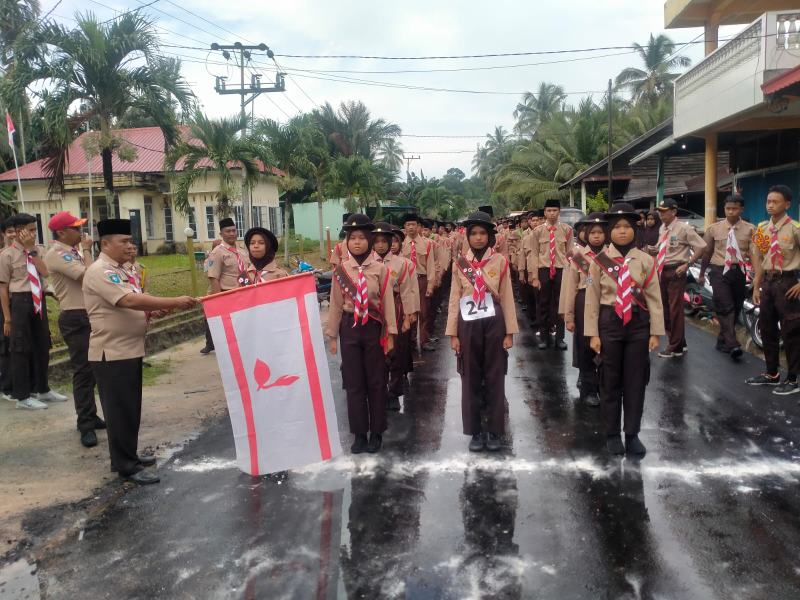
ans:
x=17 y=17
x=352 y=130
x=319 y=167
x=536 y=109
x=213 y=147
x=657 y=75
x=391 y=155
x=354 y=180
x=104 y=68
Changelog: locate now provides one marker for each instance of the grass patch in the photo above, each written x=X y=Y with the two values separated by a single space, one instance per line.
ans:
x=152 y=370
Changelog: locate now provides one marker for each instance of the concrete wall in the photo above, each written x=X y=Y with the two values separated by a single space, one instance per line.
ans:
x=755 y=189
x=306 y=218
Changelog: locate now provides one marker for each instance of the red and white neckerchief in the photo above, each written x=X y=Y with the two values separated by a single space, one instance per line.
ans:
x=239 y=261
x=36 y=284
x=552 y=230
x=78 y=255
x=775 y=254
x=414 y=252
x=624 y=303
x=662 y=250
x=479 y=288
x=133 y=279
x=361 y=304
x=732 y=252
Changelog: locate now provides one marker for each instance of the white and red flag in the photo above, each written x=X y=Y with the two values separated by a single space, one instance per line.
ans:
x=271 y=355
x=11 y=130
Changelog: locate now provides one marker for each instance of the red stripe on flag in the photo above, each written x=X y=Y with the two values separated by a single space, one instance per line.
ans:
x=244 y=390
x=313 y=380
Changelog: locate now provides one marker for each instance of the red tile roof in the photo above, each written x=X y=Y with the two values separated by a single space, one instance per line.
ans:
x=149 y=144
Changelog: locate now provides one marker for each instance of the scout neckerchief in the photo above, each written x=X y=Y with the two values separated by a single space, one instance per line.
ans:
x=612 y=268
x=243 y=279
x=623 y=305
x=662 y=250
x=552 y=231
x=349 y=288
x=133 y=279
x=414 y=253
x=775 y=254
x=36 y=284
x=732 y=251
x=470 y=271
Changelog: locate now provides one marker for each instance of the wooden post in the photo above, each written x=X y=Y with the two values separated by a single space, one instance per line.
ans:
x=302 y=256
x=192 y=266
x=328 y=236
x=711 y=180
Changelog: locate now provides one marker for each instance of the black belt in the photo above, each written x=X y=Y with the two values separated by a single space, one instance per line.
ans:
x=673 y=266
x=776 y=275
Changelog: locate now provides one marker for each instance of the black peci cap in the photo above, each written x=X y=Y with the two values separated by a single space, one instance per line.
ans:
x=114 y=227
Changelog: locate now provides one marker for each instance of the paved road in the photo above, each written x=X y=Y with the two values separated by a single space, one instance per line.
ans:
x=711 y=512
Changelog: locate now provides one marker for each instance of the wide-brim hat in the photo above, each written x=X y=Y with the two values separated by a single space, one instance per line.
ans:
x=595 y=218
x=358 y=221
x=480 y=218
x=621 y=210
x=398 y=231
x=268 y=235
x=383 y=227
x=486 y=209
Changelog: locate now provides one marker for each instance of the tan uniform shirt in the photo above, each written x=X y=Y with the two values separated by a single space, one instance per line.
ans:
x=602 y=290
x=444 y=254
x=788 y=238
x=540 y=247
x=682 y=240
x=66 y=267
x=572 y=281
x=117 y=333
x=525 y=250
x=378 y=291
x=270 y=272
x=514 y=246
x=223 y=266
x=339 y=251
x=404 y=282
x=426 y=261
x=14 y=268
x=716 y=236
x=497 y=276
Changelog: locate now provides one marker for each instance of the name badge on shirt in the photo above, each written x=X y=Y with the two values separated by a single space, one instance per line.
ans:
x=472 y=311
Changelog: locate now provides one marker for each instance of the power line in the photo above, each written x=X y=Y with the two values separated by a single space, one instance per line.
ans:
x=452 y=137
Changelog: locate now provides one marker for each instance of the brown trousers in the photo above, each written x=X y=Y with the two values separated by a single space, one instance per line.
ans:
x=399 y=359
x=730 y=290
x=528 y=295
x=424 y=314
x=625 y=369
x=547 y=303
x=583 y=355
x=673 y=287
x=364 y=375
x=777 y=309
x=482 y=365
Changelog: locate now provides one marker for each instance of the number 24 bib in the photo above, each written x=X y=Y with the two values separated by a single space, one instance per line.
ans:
x=473 y=311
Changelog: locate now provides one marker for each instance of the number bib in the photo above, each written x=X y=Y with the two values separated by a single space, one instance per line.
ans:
x=472 y=311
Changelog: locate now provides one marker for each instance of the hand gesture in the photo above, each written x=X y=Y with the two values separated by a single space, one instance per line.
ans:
x=508 y=342
x=6 y=328
x=86 y=242
x=653 y=343
x=455 y=344
x=570 y=326
x=27 y=238
x=594 y=344
x=756 y=295
x=536 y=284
x=794 y=292
x=185 y=302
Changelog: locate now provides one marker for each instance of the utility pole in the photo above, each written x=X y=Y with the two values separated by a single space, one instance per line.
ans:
x=242 y=54
x=610 y=166
x=408 y=164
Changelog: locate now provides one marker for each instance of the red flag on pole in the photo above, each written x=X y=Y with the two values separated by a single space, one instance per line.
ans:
x=11 y=130
x=274 y=369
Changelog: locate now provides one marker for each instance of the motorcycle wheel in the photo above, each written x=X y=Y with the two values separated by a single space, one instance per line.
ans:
x=751 y=323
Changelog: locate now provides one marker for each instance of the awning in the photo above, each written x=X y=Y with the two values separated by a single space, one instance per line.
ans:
x=781 y=82
x=655 y=149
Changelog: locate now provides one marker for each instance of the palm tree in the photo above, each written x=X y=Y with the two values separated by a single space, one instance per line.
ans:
x=536 y=109
x=212 y=147
x=97 y=65
x=656 y=77
x=319 y=168
x=392 y=155
x=353 y=178
x=351 y=129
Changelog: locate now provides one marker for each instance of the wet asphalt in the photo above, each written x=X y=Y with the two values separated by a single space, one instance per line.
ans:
x=712 y=511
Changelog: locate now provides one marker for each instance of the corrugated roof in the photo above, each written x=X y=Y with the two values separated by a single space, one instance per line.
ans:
x=782 y=81
x=149 y=144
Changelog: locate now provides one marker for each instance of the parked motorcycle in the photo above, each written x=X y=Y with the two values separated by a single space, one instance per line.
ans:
x=698 y=299
x=323 y=278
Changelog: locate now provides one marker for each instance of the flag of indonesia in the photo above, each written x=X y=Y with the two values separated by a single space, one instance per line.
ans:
x=274 y=370
x=10 y=128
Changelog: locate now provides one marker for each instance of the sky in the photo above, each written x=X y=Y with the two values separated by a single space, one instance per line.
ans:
x=411 y=28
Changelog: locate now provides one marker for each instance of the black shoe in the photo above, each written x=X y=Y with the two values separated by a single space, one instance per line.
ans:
x=614 y=445
x=206 y=350
x=764 y=379
x=375 y=442
x=393 y=404
x=429 y=347
x=736 y=353
x=593 y=399
x=89 y=438
x=99 y=423
x=633 y=445
x=142 y=477
x=721 y=347
x=146 y=461
x=359 y=445
x=541 y=344
x=434 y=339
x=476 y=443
x=787 y=388
x=561 y=345
x=493 y=443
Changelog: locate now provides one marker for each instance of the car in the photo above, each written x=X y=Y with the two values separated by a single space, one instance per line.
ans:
x=570 y=215
x=693 y=219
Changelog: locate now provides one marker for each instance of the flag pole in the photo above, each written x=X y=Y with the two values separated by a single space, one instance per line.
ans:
x=19 y=182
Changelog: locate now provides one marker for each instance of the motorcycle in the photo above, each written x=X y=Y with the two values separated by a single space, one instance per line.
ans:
x=698 y=299
x=324 y=279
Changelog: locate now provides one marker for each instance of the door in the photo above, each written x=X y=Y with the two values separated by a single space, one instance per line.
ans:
x=136 y=229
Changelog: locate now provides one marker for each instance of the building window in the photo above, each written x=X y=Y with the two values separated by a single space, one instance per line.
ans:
x=238 y=219
x=52 y=235
x=258 y=216
x=148 y=218
x=168 y=224
x=192 y=221
x=102 y=210
x=276 y=225
x=210 y=222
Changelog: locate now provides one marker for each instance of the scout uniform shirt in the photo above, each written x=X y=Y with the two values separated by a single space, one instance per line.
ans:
x=788 y=238
x=426 y=261
x=404 y=283
x=378 y=292
x=603 y=290
x=224 y=266
x=682 y=239
x=14 y=268
x=270 y=272
x=66 y=267
x=337 y=254
x=443 y=253
x=716 y=236
x=497 y=277
x=573 y=280
x=117 y=333
x=525 y=250
x=514 y=246
x=540 y=247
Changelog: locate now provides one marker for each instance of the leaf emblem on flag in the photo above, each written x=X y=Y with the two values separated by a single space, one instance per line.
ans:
x=262 y=373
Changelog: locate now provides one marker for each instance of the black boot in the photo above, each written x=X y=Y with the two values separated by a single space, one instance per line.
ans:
x=592 y=399
x=561 y=345
x=476 y=443
x=614 y=445
x=359 y=444
x=375 y=441
x=393 y=403
x=543 y=342
x=493 y=442
x=633 y=445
